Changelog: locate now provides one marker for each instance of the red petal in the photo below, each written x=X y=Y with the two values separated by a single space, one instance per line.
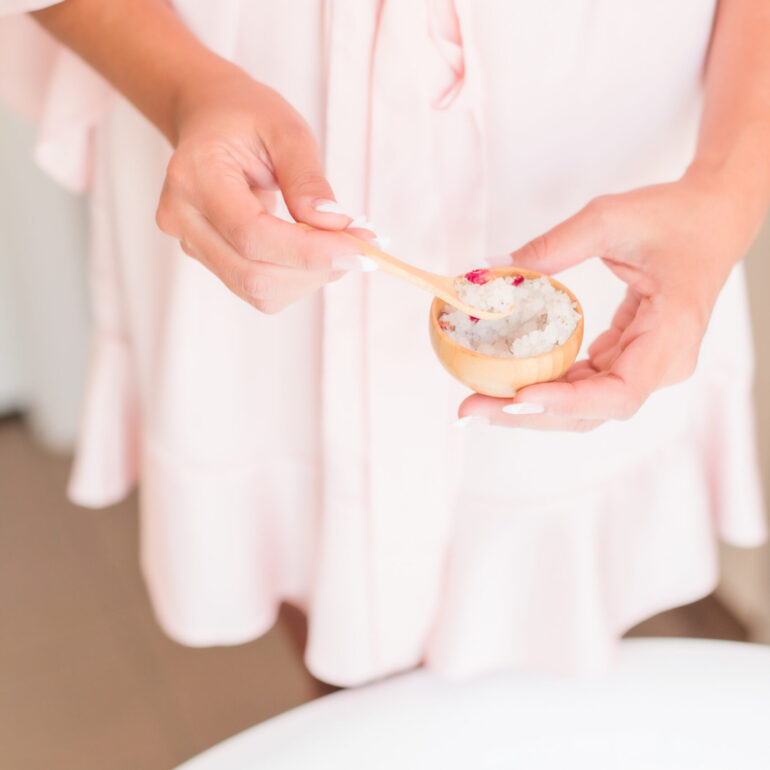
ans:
x=473 y=318
x=480 y=276
x=519 y=279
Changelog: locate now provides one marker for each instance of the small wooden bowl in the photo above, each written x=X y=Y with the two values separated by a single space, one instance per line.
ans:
x=502 y=377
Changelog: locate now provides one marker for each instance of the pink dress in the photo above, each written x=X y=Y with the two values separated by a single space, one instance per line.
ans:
x=309 y=456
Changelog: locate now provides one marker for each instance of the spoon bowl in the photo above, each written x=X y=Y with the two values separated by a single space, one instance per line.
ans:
x=502 y=377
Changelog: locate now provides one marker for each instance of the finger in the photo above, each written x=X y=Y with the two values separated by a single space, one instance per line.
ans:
x=603 y=342
x=576 y=239
x=266 y=286
x=268 y=199
x=604 y=360
x=363 y=233
x=622 y=319
x=491 y=410
x=616 y=393
x=297 y=166
x=579 y=371
x=237 y=215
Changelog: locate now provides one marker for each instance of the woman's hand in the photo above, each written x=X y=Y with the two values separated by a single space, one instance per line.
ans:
x=674 y=246
x=238 y=142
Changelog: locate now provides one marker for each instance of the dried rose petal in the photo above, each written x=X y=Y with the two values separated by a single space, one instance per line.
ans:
x=473 y=319
x=518 y=280
x=480 y=276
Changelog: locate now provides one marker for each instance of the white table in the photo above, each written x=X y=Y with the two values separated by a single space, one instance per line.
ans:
x=668 y=704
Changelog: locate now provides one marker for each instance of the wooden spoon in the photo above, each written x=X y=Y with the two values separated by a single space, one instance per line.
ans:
x=441 y=286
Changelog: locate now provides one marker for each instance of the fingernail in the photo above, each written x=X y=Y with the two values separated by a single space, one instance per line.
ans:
x=503 y=260
x=382 y=242
x=470 y=419
x=523 y=408
x=360 y=221
x=330 y=207
x=354 y=262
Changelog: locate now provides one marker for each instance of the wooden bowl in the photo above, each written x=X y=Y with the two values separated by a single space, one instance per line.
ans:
x=502 y=377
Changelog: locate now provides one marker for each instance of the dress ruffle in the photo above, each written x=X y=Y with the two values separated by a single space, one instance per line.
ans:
x=548 y=584
x=106 y=464
x=49 y=84
x=554 y=588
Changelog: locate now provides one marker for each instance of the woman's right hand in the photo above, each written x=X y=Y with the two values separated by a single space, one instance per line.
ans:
x=237 y=143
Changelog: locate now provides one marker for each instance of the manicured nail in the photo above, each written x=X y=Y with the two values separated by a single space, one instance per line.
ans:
x=354 y=262
x=470 y=419
x=523 y=408
x=330 y=207
x=503 y=260
x=360 y=221
x=363 y=222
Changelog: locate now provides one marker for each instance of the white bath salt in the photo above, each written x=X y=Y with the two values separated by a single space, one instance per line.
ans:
x=543 y=318
x=480 y=289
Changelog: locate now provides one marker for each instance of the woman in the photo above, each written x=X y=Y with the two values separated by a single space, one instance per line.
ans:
x=305 y=453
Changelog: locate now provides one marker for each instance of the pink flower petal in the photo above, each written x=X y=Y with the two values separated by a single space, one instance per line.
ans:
x=480 y=276
x=473 y=318
x=518 y=280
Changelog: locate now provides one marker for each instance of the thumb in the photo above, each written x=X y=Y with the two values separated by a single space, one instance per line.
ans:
x=576 y=239
x=296 y=162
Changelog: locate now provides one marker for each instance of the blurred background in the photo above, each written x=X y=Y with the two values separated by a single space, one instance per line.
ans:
x=87 y=680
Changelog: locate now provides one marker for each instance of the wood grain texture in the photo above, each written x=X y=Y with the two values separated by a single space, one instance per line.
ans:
x=441 y=286
x=502 y=377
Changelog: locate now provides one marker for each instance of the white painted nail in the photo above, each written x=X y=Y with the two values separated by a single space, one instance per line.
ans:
x=358 y=222
x=523 y=408
x=354 y=262
x=330 y=207
x=470 y=419
x=382 y=242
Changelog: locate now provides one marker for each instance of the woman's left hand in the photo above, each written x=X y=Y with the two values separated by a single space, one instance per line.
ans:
x=674 y=246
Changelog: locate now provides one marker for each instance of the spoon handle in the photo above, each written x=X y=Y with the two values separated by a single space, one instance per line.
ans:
x=387 y=263
x=441 y=286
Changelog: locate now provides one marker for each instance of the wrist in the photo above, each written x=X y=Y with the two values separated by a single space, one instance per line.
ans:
x=739 y=173
x=735 y=194
x=199 y=88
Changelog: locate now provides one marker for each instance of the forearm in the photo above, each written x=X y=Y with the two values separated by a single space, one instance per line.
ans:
x=141 y=47
x=734 y=140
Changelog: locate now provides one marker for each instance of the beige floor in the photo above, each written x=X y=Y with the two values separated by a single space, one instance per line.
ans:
x=87 y=679
x=88 y=682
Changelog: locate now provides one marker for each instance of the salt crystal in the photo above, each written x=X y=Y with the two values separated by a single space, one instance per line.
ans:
x=543 y=317
x=482 y=290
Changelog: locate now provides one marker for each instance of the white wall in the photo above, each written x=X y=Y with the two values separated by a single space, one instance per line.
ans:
x=43 y=299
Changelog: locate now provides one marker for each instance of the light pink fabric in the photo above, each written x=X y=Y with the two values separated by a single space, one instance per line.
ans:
x=309 y=456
